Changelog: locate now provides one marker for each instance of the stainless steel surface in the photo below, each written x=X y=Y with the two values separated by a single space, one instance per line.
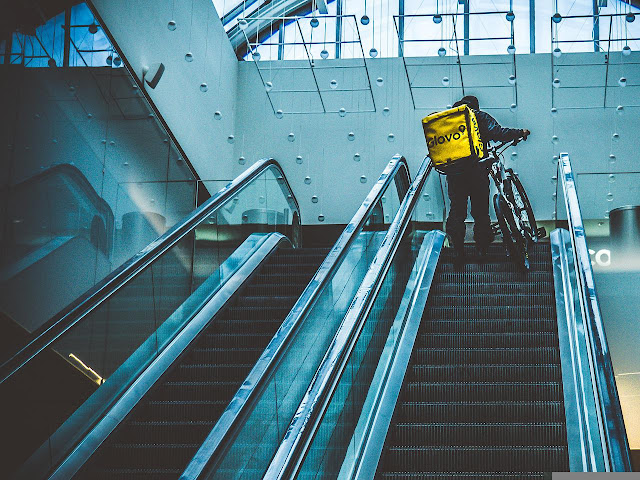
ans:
x=394 y=361
x=583 y=437
x=90 y=443
x=302 y=427
x=624 y=228
x=614 y=437
x=71 y=315
x=223 y=432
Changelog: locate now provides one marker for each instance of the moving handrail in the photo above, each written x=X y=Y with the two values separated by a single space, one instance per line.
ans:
x=223 y=432
x=610 y=420
x=60 y=323
x=292 y=449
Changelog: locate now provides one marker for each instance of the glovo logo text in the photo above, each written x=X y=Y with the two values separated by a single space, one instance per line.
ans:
x=440 y=139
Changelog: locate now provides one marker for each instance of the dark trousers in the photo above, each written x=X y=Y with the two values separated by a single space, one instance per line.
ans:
x=474 y=184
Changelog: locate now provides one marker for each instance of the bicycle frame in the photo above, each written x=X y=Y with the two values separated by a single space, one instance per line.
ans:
x=499 y=174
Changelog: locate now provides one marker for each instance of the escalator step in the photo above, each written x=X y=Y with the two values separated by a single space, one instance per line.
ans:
x=240 y=327
x=198 y=390
x=474 y=312
x=484 y=391
x=274 y=278
x=462 y=475
x=222 y=355
x=488 y=326
x=283 y=270
x=136 y=473
x=275 y=289
x=483 y=373
x=492 y=257
x=487 y=340
x=478 y=458
x=263 y=312
x=498 y=278
x=259 y=302
x=478 y=433
x=492 y=288
x=181 y=410
x=295 y=258
x=487 y=356
x=224 y=340
x=497 y=300
x=525 y=411
x=221 y=372
x=501 y=267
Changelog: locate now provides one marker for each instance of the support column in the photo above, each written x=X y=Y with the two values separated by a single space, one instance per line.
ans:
x=339 y=27
x=67 y=36
x=466 y=25
x=401 y=28
x=281 y=41
x=596 y=26
x=532 y=26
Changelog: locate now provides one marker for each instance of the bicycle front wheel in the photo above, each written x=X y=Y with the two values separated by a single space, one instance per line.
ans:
x=513 y=241
x=523 y=206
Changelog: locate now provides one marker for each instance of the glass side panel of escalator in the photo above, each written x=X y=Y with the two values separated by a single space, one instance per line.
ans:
x=103 y=352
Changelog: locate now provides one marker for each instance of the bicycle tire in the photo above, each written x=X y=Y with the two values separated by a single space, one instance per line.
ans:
x=511 y=237
x=531 y=228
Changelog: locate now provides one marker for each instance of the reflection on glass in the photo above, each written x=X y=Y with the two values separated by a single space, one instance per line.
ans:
x=74 y=196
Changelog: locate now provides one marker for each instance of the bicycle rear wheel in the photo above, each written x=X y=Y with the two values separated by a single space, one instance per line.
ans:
x=523 y=206
x=513 y=241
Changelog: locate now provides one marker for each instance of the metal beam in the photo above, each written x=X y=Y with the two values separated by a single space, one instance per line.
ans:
x=596 y=26
x=400 y=28
x=339 y=10
x=532 y=26
x=281 y=40
x=67 y=36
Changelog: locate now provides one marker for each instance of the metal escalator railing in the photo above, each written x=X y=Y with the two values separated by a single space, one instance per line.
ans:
x=601 y=437
x=324 y=427
x=251 y=428
x=120 y=326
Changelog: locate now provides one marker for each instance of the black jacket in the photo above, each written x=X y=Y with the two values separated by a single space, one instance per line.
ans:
x=490 y=129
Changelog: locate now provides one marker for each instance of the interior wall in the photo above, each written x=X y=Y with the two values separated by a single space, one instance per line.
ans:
x=328 y=155
x=140 y=28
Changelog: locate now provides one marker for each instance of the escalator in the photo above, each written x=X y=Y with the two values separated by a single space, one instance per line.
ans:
x=165 y=429
x=179 y=344
x=483 y=389
x=484 y=372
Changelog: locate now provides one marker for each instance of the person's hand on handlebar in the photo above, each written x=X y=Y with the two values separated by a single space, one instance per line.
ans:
x=525 y=134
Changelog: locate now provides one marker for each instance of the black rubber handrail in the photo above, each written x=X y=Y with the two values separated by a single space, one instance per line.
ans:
x=60 y=323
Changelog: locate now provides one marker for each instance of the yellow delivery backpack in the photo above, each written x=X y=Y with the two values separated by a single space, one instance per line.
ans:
x=453 y=137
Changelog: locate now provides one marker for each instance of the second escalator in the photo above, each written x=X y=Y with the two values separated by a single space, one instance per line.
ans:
x=165 y=429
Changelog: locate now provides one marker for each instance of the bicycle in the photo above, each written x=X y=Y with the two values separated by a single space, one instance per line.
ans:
x=516 y=221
